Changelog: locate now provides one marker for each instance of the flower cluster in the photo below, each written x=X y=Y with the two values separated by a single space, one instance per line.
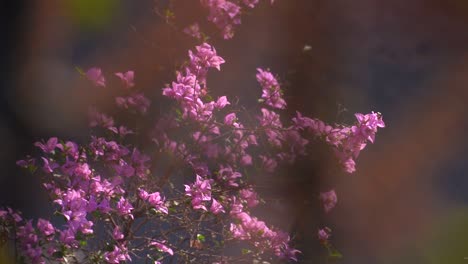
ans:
x=347 y=141
x=271 y=92
x=329 y=200
x=226 y=15
x=200 y=191
x=189 y=185
x=189 y=87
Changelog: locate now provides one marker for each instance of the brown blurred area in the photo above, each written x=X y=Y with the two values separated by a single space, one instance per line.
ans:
x=406 y=59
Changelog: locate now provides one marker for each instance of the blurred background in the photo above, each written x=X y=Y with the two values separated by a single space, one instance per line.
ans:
x=408 y=200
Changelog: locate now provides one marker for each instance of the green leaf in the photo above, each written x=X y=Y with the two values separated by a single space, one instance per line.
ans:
x=169 y=14
x=178 y=112
x=32 y=168
x=208 y=98
x=334 y=253
x=172 y=210
x=80 y=71
x=200 y=237
x=109 y=247
x=58 y=254
x=246 y=251
x=90 y=14
x=83 y=243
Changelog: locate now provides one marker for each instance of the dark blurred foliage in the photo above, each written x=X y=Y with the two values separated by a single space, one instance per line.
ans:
x=406 y=59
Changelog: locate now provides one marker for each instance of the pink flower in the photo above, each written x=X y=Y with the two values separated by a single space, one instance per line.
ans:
x=229 y=119
x=268 y=164
x=229 y=176
x=271 y=91
x=70 y=148
x=117 y=234
x=200 y=191
x=250 y=3
x=118 y=255
x=49 y=166
x=122 y=168
x=203 y=58
x=126 y=78
x=193 y=30
x=96 y=77
x=157 y=202
x=137 y=102
x=250 y=197
x=45 y=227
x=246 y=159
x=329 y=200
x=324 y=235
x=124 y=207
x=123 y=131
x=224 y=14
x=216 y=207
x=162 y=247
x=99 y=119
x=369 y=124
x=49 y=146
x=222 y=102
x=143 y=194
x=26 y=163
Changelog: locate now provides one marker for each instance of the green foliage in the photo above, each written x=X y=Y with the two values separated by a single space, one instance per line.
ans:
x=92 y=14
x=200 y=237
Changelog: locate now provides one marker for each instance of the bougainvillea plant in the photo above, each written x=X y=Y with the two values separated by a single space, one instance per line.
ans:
x=185 y=197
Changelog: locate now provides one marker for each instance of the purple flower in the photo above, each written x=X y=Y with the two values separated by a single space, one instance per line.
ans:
x=117 y=234
x=271 y=91
x=224 y=14
x=289 y=253
x=222 y=102
x=368 y=125
x=324 y=235
x=193 y=30
x=96 y=77
x=246 y=159
x=70 y=148
x=16 y=216
x=126 y=78
x=123 y=131
x=229 y=119
x=162 y=247
x=268 y=164
x=122 y=168
x=143 y=194
x=99 y=119
x=137 y=102
x=82 y=170
x=45 y=227
x=49 y=146
x=250 y=3
x=157 y=202
x=118 y=255
x=124 y=207
x=329 y=200
x=200 y=191
x=250 y=196
x=140 y=163
x=26 y=163
x=229 y=176
x=202 y=59
x=216 y=207
x=49 y=166
x=67 y=237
